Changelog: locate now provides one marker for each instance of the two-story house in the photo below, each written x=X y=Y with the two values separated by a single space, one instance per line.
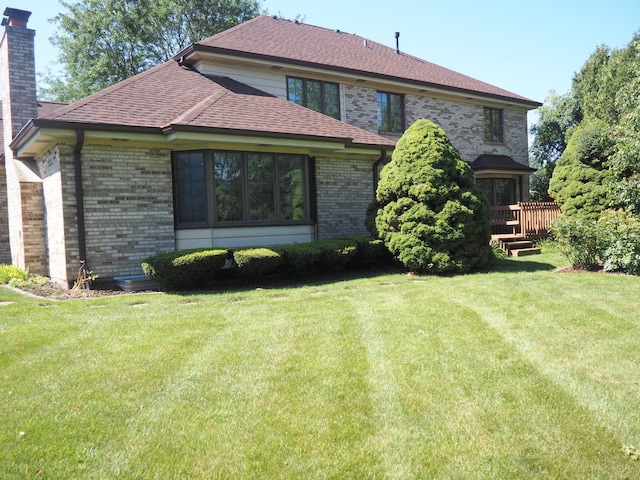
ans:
x=271 y=132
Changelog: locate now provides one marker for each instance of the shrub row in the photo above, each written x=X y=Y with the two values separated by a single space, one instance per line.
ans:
x=612 y=241
x=192 y=268
x=185 y=268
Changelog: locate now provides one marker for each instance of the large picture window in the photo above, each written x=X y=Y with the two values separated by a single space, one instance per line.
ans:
x=317 y=95
x=493 y=125
x=235 y=188
x=390 y=112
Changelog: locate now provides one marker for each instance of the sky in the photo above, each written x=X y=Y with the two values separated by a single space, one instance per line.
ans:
x=530 y=48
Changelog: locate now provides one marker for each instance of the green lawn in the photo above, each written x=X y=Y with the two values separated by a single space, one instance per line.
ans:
x=520 y=373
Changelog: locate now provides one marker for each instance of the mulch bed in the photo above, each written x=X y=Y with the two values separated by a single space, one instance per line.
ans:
x=53 y=291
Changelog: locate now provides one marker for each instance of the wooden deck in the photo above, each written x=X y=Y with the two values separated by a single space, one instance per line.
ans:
x=515 y=227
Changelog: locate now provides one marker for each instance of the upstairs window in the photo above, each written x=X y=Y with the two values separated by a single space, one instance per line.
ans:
x=317 y=95
x=493 y=125
x=390 y=112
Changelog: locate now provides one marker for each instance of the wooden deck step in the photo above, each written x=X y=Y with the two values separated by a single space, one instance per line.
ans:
x=506 y=237
x=519 y=244
x=515 y=245
x=521 y=252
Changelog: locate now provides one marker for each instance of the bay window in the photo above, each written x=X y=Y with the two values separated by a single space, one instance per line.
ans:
x=218 y=188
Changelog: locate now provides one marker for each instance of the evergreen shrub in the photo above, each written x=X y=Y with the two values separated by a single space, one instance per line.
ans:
x=582 y=181
x=433 y=216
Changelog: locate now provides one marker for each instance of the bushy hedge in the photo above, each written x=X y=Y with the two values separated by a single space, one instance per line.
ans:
x=613 y=241
x=576 y=238
x=619 y=241
x=185 y=268
x=194 y=268
x=257 y=262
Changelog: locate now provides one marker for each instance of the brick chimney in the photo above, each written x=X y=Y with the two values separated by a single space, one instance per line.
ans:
x=23 y=186
x=18 y=67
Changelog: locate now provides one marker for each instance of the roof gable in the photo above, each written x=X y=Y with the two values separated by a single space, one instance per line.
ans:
x=295 y=42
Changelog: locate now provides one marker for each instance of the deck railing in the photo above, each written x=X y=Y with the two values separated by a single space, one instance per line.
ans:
x=531 y=220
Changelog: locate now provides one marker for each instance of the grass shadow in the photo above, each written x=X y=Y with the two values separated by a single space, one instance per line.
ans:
x=512 y=265
x=235 y=283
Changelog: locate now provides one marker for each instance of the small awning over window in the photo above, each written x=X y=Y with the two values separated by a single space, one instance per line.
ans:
x=488 y=163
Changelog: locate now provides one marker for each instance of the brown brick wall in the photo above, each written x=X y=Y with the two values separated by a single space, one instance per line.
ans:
x=463 y=122
x=344 y=191
x=128 y=207
x=464 y=125
x=33 y=228
x=361 y=108
x=25 y=220
x=61 y=231
x=5 y=248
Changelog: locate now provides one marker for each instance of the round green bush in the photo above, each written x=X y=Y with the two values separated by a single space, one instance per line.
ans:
x=257 y=262
x=432 y=215
x=185 y=268
x=581 y=181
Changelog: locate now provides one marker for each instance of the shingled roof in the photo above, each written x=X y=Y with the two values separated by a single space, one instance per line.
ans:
x=272 y=38
x=44 y=108
x=171 y=97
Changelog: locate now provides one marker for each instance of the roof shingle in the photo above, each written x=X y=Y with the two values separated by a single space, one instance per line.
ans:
x=171 y=97
x=295 y=42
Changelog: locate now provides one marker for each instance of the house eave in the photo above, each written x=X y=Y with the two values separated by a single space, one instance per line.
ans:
x=496 y=172
x=40 y=135
x=196 y=52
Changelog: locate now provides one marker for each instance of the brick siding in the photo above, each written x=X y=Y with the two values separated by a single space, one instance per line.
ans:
x=344 y=191
x=462 y=122
x=5 y=249
x=128 y=200
x=464 y=125
x=24 y=200
x=128 y=209
x=361 y=107
x=33 y=228
x=62 y=233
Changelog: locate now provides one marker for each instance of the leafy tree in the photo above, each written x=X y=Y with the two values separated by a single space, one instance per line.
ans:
x=102 y=42
x=603 y=75
x=625 y=162
x=581 y=181
x=559 y=114
x=432 y=216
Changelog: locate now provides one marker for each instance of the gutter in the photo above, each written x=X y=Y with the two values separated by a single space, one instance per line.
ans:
x=77 y=173
x=376 y=177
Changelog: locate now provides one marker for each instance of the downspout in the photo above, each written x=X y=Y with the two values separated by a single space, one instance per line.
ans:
x=376 y=177
x=77 y=170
